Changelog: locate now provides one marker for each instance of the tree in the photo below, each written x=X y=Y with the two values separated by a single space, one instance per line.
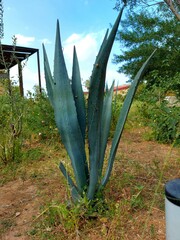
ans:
x=143 y=32
x=173 y=5
x=145 y=29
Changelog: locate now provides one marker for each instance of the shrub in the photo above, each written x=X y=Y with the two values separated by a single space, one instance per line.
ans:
x=159 y=115
x=11 y=112
x=39 y=119
x=165 y=123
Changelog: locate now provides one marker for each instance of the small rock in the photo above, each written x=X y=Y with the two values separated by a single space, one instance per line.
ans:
x=17 y=214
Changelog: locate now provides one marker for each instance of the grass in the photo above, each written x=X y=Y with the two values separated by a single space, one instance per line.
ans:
x=133 y=198
x=133 y=203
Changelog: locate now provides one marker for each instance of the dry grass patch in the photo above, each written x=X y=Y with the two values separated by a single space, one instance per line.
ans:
x=134 y=198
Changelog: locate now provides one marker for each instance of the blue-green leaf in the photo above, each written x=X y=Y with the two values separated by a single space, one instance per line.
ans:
x=48 y=77
x=66 y=117
x=105 y=124
x=122 y=118
x=74 y=191
x=78 y=95
x=95 y=105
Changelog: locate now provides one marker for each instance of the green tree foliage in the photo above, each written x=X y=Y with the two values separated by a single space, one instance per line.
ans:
x=173 y=5
x=143 y=32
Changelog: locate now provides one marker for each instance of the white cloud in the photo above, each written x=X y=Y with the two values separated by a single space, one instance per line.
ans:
x=87 y=47
x=113 y=75
x=74 y=38
x=23 y=40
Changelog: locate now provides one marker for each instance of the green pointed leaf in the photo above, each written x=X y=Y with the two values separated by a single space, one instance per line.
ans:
x=105 y=124
x=78 y=95
x=122 y=119
x=95 y=105
x=102 y=46
x=66 y=117
x=48 y=77
x=97 y=81
x=74 y=191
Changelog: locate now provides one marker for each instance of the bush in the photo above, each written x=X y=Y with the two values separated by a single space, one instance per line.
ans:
x=39 y=118
x=165 y=123
x=23 y=119
x=159 y=115
x=11 y=112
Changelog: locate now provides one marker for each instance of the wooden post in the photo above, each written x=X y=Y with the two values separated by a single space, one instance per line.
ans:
x=20 y=79
x=39 y=74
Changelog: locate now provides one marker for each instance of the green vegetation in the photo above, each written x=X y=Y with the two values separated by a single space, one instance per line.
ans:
x=23 y=121
x=11 y=112
x=132 y=204
x=126 y=207
x=40 y=116
x=158 y=113
x=142 y=31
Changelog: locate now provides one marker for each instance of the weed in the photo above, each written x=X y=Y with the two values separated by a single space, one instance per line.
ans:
x=32 y=154
x=6 y=224
x=72 y=218
x=8 y=172
x=39 y=119
x=137 y=201
x=152 y=231
x=32 y=232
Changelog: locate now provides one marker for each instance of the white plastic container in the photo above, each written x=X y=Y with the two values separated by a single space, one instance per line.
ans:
x=172 y=209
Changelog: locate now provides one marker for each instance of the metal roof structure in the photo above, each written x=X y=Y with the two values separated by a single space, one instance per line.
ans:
x=11 y=55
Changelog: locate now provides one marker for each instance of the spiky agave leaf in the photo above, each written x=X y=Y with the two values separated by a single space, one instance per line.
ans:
x=79 y=100
x=48 y=77
x=105 y=125
x=66 y=116
x=95 y=105
x=78 y=94
x=74 y=191
x=122 y=118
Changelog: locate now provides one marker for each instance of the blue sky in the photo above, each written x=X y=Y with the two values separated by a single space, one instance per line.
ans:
x=82 y=22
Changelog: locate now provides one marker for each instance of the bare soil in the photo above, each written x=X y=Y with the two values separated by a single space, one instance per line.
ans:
x=18 y=204
x=22 y=198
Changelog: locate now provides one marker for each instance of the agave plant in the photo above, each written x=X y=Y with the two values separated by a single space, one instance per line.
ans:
x=75 y=121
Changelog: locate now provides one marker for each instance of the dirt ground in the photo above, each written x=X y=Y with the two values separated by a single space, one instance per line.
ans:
x=18 y=204
x=21 y=199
